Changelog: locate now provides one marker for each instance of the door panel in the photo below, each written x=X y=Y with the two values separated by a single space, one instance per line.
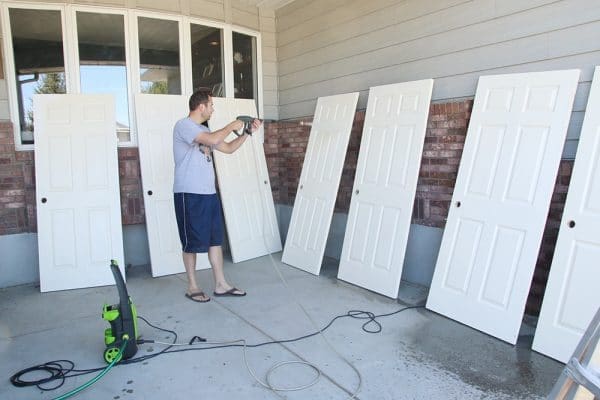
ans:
x=77 y=190
x=385 y=184
x=156 y=116
x=501 y=199
x=571 y=297
x=245 y=189
x=319 y=181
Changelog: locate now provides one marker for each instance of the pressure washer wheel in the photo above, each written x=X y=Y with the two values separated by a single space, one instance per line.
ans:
x=111 y=353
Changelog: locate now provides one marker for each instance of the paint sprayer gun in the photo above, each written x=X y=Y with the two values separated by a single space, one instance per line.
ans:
x=247 y=120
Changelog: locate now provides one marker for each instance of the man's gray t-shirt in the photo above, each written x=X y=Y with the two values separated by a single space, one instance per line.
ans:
x=194 y=171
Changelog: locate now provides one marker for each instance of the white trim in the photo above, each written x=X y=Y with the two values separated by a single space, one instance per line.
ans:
x=185 y=37
x=259 y=78
x=71 y=51
x=133 y=70
x=228 y=61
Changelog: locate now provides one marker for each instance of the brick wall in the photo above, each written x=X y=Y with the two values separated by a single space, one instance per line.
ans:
x=17 y=186
x=285 y=146
x=286 y=142
x=130 y=179
x=544 y=261
x=442 y=150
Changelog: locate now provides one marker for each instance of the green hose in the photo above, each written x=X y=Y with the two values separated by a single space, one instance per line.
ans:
x=100 y=375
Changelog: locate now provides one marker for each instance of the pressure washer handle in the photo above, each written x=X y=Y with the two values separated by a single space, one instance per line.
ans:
x=122 y=289
x=247 y=120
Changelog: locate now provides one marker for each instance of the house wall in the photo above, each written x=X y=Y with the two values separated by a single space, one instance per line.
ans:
x=18 y=227
x=328 y=47
x=229 y=11
x=285 y=146
x=337 y=46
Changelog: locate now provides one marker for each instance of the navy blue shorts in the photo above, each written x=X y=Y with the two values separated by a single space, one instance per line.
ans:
x=199 y=221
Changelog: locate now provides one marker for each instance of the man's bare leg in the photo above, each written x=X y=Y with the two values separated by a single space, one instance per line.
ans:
x=215 y=257
x=189 y=261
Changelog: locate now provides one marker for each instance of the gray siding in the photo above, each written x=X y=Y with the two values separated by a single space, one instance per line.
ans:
x=334 y=46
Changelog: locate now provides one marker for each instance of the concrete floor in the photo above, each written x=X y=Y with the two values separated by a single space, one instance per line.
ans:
x=417 y=355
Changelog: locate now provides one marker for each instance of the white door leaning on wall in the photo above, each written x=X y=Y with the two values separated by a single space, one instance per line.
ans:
x=500 y=202
x=385 y=185
x=571 y=297
x=77 y=190
x=319 y=181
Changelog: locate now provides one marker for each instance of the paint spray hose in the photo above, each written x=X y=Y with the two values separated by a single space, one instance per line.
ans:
x=17 y=381
x=267 y=384
x=100 y=375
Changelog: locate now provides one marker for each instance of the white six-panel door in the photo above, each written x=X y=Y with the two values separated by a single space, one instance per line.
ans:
x=77 y=190
x=156 y=115
x=319 y=181
x=384 y=188
x=244 y=186
x=571 y=298
x=501 y=199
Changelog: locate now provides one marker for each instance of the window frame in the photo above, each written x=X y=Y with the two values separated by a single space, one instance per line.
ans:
x=9 y=62
x=259 y=66
x=188 y=54
x=75 y=77
x=68 y=14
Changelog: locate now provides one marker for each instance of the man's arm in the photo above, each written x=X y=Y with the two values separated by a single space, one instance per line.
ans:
x=217 y=137
x=228 y=148
x=235 y=144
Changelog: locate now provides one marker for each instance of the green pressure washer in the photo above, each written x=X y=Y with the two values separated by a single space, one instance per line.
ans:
x=123 y=322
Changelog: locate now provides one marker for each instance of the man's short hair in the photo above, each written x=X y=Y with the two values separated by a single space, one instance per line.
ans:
x=200 y=96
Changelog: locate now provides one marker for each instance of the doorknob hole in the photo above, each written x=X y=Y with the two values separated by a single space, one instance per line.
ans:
x=149 y=192
x=571 y=224
x=457 y=204
x=44 y=200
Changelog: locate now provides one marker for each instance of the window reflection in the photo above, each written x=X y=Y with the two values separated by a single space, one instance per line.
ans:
x=207 y=58
x=102 y=62
x=244 y=66
x=39 y=61
x=159 y=56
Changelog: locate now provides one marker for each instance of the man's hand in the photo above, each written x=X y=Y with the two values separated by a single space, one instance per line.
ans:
x=255 y=125
x=236 y=125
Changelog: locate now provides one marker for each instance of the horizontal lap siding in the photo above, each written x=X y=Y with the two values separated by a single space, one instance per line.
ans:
x=325 y=48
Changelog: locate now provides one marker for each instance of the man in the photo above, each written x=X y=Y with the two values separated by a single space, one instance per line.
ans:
x=197 y=206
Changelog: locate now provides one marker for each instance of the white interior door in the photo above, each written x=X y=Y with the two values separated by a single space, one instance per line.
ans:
x=501 y=199
x=245 y=187
x=385 y=185
x=319 y=181
x=77 y=190
x=571 y=298
x=156 y=115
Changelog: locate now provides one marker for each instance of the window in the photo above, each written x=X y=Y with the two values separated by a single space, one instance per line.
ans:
x=102 y=62
x=244 y=66
x=207 y=58
x=70 y=48
x=159 y=56
x=39 y=65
